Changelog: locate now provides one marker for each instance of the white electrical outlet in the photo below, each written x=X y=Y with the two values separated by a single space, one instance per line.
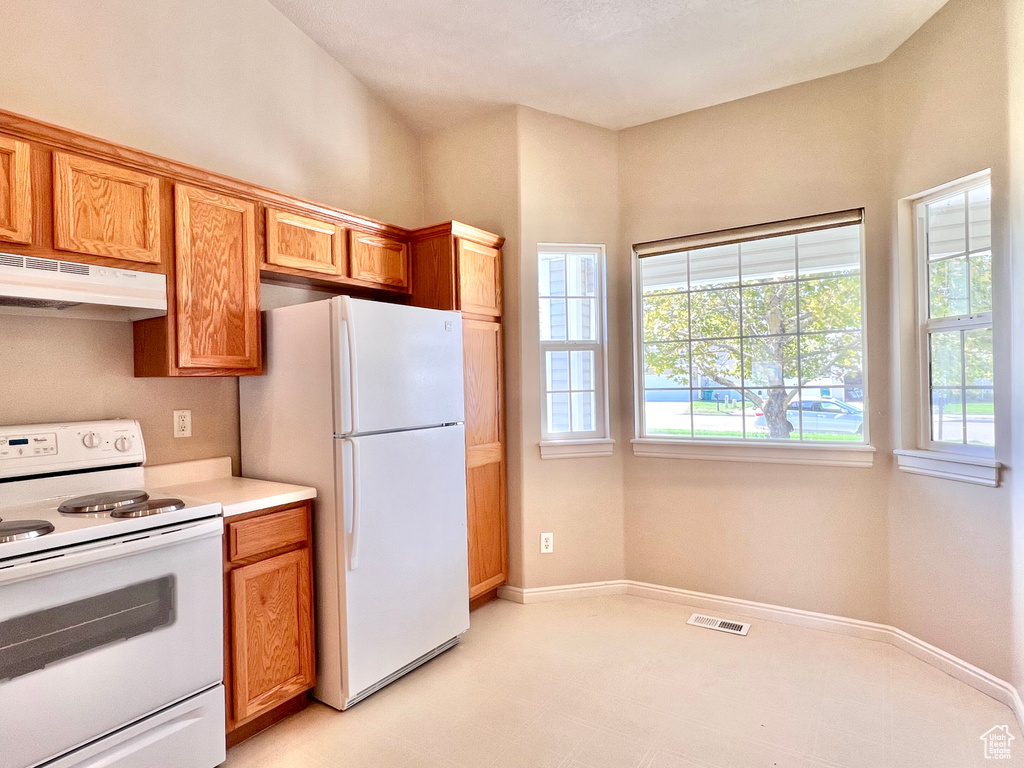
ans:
x=183 y=423
x=547 y=543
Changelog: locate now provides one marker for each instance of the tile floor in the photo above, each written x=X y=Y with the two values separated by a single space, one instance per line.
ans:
x=623 y=682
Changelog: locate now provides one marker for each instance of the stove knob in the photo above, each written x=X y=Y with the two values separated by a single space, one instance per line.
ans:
x=123 y=444
x=91 y=440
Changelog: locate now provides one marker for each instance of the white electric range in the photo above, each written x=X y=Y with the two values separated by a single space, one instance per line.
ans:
x=111 y=607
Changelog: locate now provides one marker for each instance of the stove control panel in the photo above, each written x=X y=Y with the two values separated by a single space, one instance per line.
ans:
x=36 y=444
x=47 y=448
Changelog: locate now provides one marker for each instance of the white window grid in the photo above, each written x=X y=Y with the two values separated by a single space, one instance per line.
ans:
x=928 y=325
x=597 y=346
x=641 y=343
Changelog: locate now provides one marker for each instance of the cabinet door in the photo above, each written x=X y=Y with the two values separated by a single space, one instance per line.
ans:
x=105 y=210
x=15 y=191
x=479 y=279
x=272 y=632
x=485 y=455
x=377 y=259
x=216 y=281
x=299 y=242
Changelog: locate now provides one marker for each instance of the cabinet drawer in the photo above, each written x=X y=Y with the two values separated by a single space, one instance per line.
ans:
x=256 y=535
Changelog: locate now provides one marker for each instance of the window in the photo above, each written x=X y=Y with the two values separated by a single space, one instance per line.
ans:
x=754 y=335
x=954 y=257
x=572 y=345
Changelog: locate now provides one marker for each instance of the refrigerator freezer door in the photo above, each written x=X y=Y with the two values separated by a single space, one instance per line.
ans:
x=405 y=558
x=398 y=367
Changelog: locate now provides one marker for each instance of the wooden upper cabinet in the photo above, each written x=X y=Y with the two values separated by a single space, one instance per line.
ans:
x=15 y=191
x=217 y=281
x=479 y=272
x=378 y=259
x=105 y=210
x=300 y=242
x=272 y=627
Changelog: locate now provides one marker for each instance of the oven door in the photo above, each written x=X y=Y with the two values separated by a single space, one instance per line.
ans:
x=95 y=637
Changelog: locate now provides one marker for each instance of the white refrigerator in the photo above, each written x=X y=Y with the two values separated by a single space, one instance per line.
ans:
x=364 y=401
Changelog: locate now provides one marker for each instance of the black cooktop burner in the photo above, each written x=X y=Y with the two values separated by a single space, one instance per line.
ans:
x=16 y=530
x=101 y=502
x=148 y=507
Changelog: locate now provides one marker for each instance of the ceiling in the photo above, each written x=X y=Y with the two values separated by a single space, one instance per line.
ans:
x=613 y=63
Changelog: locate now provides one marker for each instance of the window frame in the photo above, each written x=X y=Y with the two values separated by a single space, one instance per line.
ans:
x=926 y=325
x=759 y=450
x=575 y=444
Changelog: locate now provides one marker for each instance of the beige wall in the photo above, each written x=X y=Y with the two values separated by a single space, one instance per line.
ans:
x=801 y=536
x=79 y=370
x=931 y=556
x=535 y=177
x=950 y=543
x=569 y=194
x=471 y=173
x=230 y=86
x=1015 y=90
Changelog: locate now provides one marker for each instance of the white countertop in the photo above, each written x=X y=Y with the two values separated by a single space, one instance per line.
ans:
x=236 y=494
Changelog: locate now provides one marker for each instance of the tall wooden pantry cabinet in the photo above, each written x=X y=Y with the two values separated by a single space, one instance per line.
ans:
x=458 y=267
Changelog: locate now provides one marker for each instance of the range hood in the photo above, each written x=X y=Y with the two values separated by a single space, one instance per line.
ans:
x=53 y=288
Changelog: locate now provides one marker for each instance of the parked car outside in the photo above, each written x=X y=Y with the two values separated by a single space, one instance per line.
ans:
x=821 y=414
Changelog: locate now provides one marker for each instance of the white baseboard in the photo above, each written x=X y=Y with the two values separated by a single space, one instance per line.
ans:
x=566 y=592
x=965 y=672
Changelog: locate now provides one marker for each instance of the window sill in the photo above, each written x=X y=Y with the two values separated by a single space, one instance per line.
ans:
x=820 y=455
x=950 y=466
x=576 y=449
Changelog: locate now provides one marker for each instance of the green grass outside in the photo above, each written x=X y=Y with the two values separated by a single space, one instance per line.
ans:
x=710 y=406
x=831 y=437
x=973 y=409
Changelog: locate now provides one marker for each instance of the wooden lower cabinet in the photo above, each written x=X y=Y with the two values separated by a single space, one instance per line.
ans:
x=269 y=657
x=488 y=544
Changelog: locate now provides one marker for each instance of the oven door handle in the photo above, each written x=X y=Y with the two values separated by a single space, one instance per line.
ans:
x=124 y=546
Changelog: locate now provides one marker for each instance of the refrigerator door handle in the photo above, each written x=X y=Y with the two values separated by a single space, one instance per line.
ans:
x=353 y=541
x=350 y=331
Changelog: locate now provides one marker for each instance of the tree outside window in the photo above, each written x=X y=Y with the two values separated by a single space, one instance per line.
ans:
x=760 y=339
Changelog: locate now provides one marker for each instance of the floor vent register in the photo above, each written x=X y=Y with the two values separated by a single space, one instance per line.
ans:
x=722 y=625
